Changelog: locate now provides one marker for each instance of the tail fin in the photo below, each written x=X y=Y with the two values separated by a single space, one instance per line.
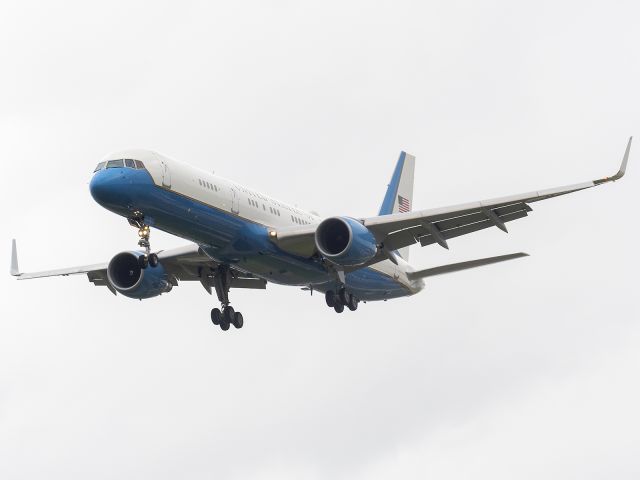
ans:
x=399 y=196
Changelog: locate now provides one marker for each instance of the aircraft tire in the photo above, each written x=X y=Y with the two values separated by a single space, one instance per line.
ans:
x=352 y=304
x=216 y=316
x=224 y=325
x=238 y=320
x=143 y=261
x=153 y=260
x=228 y=315
x=330 y=298
x=343 y=296
x=338 y=307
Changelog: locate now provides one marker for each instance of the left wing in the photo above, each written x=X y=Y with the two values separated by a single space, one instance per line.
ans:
x=438 y=225
x=441 y=224
x=186 y=263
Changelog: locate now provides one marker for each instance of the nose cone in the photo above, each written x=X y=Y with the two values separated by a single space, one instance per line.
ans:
x=108 y=187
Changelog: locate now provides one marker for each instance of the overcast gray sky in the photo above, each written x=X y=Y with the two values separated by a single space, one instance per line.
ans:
x=523 y=370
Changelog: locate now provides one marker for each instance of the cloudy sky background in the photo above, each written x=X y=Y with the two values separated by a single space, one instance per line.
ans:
x=528 y=369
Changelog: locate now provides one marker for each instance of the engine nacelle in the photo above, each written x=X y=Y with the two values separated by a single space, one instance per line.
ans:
x=345 y=241
x=131 y=280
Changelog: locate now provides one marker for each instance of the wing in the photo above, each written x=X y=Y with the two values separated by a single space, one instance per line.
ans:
x=427 y=227
x=186 y=263
x=441 y=224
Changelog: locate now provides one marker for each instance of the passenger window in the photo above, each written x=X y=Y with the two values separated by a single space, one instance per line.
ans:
x=115 y=163
x=100 y=166
x=129 y=163
x=139 y=164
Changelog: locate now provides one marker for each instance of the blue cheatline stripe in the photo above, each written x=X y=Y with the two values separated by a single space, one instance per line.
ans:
x=392 y=190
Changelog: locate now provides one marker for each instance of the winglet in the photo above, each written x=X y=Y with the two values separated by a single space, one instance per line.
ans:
x=625 y=159
x=623 y=167
x=15 y=271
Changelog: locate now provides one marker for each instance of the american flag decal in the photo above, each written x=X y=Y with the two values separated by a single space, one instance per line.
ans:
x=404 y=205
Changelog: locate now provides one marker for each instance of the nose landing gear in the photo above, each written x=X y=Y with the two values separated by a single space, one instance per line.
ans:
x=144 y=232
x=225 y=316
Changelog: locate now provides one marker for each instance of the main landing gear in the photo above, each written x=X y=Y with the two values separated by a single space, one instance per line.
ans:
x=340 y=299
x=144 y=232
x=225 y=316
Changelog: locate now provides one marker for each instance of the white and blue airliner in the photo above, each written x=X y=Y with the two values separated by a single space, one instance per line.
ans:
x=241 y=238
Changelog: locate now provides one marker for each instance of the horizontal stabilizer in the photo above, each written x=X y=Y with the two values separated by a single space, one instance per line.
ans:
x=456 y=267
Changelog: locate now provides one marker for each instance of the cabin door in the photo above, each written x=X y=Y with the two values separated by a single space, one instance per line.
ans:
x=235 y=201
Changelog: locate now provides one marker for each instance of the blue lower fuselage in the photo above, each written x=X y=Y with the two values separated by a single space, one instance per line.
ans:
x=227 y=237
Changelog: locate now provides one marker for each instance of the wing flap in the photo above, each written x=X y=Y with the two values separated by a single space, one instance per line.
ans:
x=473 y=227
x=454 y=228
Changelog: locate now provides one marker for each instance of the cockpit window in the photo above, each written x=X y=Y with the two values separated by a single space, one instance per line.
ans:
x=121 y=163
x=115 y=163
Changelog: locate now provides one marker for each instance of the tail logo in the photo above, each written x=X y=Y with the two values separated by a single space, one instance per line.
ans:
x=404 y=205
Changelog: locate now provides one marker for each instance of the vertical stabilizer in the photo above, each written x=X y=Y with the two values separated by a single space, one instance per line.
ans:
x=399 y=196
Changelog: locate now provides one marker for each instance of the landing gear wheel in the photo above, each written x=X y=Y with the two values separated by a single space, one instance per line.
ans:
x=352 y=304
x=343 y=296
x=153 y=260
x=216 y=316
x=338 y=307
x=330 y=298
x=143 y=261
x=229 y=315
x=224 y=325
x=238 y=321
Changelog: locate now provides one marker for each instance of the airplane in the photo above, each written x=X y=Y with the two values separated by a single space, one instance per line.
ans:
x=241 y=238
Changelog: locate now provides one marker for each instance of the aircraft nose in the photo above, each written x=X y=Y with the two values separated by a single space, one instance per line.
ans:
x=96 y=187
x=99 y=187
x=108 y=188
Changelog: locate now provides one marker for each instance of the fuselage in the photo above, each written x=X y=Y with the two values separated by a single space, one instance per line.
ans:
x=230 y=223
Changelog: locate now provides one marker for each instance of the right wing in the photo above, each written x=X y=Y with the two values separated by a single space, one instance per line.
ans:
x=186 y=263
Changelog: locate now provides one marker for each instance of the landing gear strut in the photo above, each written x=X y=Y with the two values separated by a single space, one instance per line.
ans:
x=225 y=315
x=144 y=232
x=340 y=299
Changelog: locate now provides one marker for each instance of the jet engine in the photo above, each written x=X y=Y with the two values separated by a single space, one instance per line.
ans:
x=128 y=277
x=345 y=241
